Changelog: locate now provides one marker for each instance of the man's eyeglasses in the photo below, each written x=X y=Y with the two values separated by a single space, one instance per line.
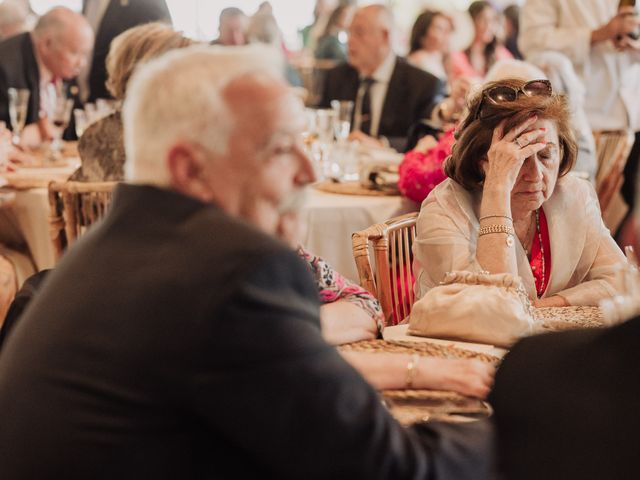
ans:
x=504 y=93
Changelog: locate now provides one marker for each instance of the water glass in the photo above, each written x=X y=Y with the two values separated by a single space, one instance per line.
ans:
x=324 y=125
x=626 y=303
x=343 y=110
x=344 y=162
x=18 y=108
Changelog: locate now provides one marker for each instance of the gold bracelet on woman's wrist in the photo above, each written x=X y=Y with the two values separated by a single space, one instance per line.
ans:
x=498 y=228
x=484 y=217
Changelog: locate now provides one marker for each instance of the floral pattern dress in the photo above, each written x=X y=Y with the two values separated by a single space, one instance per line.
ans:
x=332 y=286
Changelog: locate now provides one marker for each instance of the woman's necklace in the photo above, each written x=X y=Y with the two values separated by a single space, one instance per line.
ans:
x=541 y=289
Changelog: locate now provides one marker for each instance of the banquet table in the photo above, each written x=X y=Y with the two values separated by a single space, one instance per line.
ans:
x=24 y=207
x=411 y=406
x=330 y=218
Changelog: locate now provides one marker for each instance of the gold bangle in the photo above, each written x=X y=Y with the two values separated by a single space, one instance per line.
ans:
x=495 y=216
x=497 y=228
x=412 y=367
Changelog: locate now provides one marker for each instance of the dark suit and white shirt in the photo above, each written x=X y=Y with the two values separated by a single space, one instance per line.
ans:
x=175 y=341
x=401 y=97
x=378 y=92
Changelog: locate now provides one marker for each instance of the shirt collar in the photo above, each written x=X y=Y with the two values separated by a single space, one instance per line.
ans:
x=383 y=73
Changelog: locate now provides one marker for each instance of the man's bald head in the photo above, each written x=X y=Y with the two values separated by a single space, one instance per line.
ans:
x=63 y=40
x=370 y=37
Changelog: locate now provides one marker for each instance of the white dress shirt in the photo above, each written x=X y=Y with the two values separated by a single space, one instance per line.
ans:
x=49 y=88
x=377 y=94
x=612 y=78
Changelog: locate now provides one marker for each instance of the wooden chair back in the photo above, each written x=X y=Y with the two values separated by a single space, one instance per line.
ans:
x=612 y=151
x=390 y=275
x=73 y=208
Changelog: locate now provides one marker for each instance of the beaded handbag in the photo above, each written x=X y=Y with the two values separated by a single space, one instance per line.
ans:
x=475 y=307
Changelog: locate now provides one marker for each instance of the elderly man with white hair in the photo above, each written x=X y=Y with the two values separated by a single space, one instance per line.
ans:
x=179 y=338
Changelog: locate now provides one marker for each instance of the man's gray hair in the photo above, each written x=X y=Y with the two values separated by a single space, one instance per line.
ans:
x=178 y=97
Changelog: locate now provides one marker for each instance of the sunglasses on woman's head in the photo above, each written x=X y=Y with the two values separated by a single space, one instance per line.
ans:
x=504 y=93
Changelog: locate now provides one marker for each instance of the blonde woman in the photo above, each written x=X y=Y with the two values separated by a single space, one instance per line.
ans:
x=101 y=147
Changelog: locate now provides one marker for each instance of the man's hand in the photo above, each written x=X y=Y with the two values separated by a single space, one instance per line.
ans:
x=623 y=23
x=426 y=143
x=366 y=140
x=627 y=44
x=459 y=88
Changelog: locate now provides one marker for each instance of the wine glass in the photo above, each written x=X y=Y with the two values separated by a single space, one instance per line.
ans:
x=18 y=107
x=60 y=116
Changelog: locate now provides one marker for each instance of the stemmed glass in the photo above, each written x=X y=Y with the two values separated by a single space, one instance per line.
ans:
x=60 y=116
x=18 y=107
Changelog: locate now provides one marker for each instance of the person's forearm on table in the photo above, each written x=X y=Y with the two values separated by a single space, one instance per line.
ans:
x=390 y=371
x=344 y=322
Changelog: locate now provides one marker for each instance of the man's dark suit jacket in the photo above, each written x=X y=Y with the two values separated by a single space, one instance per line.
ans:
x=411 y=96
x=118 y=17
x=174 y=341
x=567 y=406
x=19 y=69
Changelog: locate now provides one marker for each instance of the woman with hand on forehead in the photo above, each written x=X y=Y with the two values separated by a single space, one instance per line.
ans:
x=509 y=207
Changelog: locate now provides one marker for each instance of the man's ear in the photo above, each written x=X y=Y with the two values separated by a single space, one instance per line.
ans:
x=386 y=35
x=188 y=172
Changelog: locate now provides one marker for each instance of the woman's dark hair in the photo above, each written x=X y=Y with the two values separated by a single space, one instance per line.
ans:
x=512 y=13
x=475 y=9
x=421 y=27
x=473 y=136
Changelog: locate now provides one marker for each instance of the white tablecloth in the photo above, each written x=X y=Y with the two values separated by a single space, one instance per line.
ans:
x=25 y=219
x=331 y=219
x=24 y=208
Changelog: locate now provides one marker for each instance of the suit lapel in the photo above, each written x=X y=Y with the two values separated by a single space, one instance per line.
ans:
x=32 y=78
x=392 y=98
x=350 y=90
